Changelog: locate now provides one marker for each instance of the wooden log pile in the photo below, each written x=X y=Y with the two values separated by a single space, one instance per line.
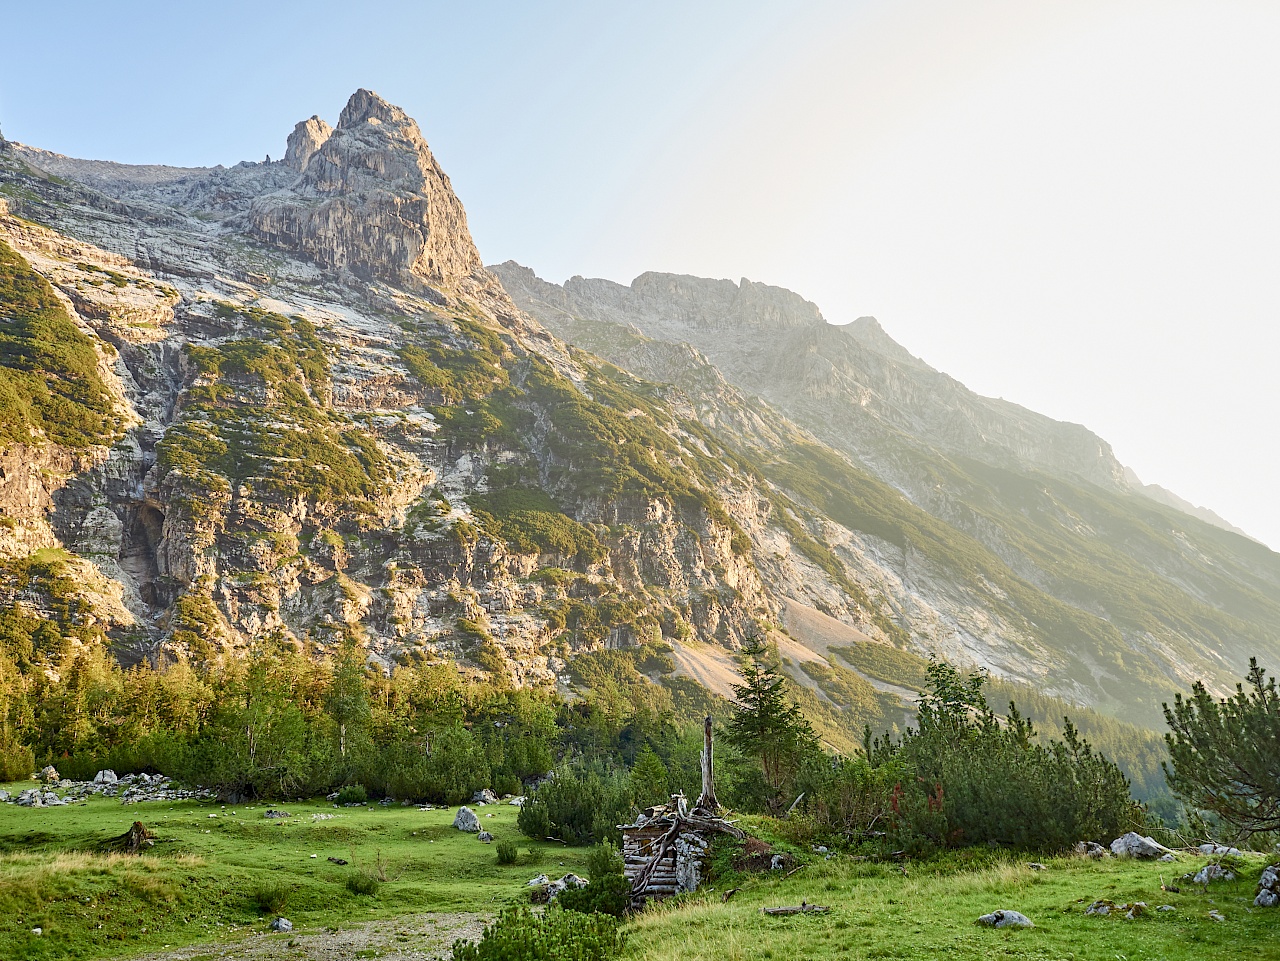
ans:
x=665 y=851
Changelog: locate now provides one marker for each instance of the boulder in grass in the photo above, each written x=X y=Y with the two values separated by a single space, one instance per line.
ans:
x=1091 y=849
x=484 y=796
x=484 y=836
x=49 y=774
x=1006 y=919
x=282 y=925
x=105 y=777
x=1213 y=872
x=556 y=888
x=1269 y=888
x=1134 y=845
x=466 y=820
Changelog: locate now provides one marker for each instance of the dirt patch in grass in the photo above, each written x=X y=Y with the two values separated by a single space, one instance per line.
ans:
x=412 y=937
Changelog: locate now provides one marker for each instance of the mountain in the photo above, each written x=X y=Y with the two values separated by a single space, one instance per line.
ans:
x=285 y=401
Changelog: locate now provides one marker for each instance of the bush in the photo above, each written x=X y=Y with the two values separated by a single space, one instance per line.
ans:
x=362 y=884
x=970 y=777
x=609 y=891
x=270 y=897
x=507 y=852
x=520 y=935
x=352 y=794
x=578 y=807
x=17 y=761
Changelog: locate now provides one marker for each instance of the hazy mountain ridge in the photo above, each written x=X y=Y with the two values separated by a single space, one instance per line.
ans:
x=340 y=425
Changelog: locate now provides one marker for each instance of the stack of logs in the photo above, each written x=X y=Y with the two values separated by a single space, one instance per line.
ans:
x=665 y=851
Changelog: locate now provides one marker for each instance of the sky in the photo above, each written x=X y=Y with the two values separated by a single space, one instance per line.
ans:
x=1072 y=205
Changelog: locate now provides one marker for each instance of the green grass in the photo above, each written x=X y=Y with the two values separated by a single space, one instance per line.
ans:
x=876 y=912
x=50 y=388
x=207 y=878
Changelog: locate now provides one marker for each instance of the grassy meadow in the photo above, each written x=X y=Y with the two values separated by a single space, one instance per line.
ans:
x=222 y=877
x=928 y=912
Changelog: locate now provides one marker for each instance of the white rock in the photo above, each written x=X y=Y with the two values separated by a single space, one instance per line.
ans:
x=1006 y=919
x=538 y=881
x=466 y=820
x=282 y=925
x=1134 y=845
x=1213 y=872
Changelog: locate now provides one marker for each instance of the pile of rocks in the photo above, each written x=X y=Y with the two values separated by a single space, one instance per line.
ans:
x=131 y=789
x=1269 y=888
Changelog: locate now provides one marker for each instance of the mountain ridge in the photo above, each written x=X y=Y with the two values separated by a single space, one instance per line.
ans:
x=341 y=427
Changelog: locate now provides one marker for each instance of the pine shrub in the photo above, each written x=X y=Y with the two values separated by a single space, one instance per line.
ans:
x=555 y=935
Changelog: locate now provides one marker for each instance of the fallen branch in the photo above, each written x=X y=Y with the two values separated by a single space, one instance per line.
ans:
x=724 y=898
x=801 y=908
x=793 y=871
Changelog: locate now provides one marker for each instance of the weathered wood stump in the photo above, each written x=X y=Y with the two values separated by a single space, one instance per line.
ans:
x=134 y=840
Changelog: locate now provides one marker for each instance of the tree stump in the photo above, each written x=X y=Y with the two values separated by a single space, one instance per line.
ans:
x=133 y=841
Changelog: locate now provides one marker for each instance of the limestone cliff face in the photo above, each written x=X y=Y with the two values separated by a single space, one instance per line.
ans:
x=371 y=200
x=308 y=136
x=312 y=359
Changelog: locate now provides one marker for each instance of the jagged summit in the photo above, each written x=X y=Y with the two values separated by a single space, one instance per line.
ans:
x=308 y=136
x=371 y=200
x=366 y=105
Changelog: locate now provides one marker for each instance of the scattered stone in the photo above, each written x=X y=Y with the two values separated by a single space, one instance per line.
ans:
x=1217 y=849
x=1269 y=887
x=1168 y=858
x=516 y=802
x=49 y=774
x=1005 y=919
x=1213 y=872
x=1102 y=907
x=1136 y=910
x=466 y=820
x=556 y=888
x=282 y=925
x=340 y=862
x=37 y=931
x=1216 y=915
x=105 y=777
x=1037 y=866
x=1090 y=849
x=4 y=795
x=272 y=813
x=1134 y=845
x=484 y=796
x=323 y=817
x=31 y=798
x=484 y=836
x=540 y=880
x=1166 y=907
x=777 y=863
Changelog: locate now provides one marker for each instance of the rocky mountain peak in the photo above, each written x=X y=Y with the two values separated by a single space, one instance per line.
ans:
x=307 y=137
x=365 y=105
x=371 y=200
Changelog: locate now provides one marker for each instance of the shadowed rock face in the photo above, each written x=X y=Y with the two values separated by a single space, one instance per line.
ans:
x=371 y=200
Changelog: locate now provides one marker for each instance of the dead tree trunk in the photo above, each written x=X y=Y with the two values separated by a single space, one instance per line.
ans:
x=707 y=799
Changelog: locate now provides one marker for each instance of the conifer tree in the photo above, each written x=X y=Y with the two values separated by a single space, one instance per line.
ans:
x=1226 y=754
x=766 y=726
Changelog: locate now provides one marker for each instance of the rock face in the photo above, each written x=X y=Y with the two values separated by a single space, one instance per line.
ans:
x=307 y=137
x=371 y=200
x=1008 y=482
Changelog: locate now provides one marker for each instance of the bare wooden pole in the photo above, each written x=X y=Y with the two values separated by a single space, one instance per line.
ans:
x=707 y=799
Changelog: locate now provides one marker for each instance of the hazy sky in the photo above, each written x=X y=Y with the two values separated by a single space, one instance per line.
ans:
x=1073 y=205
